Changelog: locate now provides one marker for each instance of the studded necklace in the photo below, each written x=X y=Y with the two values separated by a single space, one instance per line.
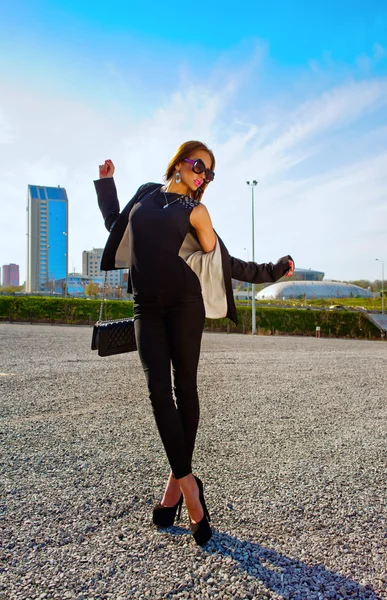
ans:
x=169 y=203
x=184 y=200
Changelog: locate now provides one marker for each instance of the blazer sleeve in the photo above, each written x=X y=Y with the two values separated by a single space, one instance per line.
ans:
x=107 y=200
x=252 y=272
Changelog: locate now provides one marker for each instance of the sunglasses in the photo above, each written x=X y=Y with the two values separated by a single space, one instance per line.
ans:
x=199 y=167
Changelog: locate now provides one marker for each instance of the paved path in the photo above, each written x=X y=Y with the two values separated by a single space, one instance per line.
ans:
x=291 y=447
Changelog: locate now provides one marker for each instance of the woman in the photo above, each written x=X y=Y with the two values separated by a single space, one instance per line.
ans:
x=179 y=271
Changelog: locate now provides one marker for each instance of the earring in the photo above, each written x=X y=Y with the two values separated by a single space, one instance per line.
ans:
x=177 y=177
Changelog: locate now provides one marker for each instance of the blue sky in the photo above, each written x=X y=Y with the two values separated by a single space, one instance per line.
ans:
x=291 y=93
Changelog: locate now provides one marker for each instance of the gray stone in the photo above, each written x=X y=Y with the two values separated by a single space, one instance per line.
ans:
x=290 y=448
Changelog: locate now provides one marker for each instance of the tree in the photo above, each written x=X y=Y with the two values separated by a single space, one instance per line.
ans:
x=91 y=289
x=11 y=289
x=363 y=283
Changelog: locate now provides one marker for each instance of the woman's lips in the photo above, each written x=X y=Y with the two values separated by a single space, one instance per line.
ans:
x=198 y=182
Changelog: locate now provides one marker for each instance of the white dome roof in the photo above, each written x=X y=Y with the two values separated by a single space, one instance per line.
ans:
x=312 y=289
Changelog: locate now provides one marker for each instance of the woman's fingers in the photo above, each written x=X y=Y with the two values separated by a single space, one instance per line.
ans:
x=107 y=169
x=291 y=270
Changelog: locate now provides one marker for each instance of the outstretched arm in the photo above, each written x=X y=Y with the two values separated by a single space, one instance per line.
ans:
x=252 y=272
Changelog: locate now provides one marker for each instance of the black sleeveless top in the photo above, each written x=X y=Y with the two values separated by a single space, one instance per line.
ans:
x=156 y=235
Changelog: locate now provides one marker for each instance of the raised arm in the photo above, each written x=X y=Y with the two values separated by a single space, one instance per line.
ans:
x=252 y=272
x=107 y=194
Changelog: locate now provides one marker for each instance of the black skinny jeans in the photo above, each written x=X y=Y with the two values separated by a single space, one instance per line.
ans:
x=169 y=330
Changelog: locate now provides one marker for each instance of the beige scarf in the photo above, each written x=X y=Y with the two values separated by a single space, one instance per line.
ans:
x=208 y=268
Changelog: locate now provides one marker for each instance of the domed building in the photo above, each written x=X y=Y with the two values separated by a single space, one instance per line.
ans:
x=312 y=289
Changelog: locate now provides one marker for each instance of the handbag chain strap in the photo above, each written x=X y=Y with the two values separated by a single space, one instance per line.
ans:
x=103 y=297
x=106 y=273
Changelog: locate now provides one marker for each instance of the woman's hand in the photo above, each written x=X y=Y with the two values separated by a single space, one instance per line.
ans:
x=106 y=170
x=291 y=270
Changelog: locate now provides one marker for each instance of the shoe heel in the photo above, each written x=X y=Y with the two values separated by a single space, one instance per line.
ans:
x=201 y=498
x=180 y=504
x=201 y=531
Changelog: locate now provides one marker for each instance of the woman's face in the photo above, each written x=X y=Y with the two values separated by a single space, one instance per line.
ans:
x=193 y=180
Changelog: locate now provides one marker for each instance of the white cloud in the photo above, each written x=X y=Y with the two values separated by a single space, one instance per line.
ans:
x=317 y=214
x=379 y=51
x=366 y=62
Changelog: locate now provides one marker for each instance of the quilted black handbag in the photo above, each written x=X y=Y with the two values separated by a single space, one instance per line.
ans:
x=113 y=337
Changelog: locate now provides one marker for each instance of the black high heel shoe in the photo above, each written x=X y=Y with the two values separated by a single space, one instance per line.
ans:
x=201 y=531
x=164 y=516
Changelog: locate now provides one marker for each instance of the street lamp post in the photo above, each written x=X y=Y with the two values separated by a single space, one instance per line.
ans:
x=382 y=261
x=249 y=284
x=252 y=184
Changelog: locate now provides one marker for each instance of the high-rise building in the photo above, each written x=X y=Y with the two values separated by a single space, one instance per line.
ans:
x=91 y=267
x=47 y=237
x=11 y=274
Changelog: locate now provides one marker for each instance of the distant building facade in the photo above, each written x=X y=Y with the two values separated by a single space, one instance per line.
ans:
x=47 y=237
x=10 y=275
x=91 y=267
x=76 y=283
x=307 y=275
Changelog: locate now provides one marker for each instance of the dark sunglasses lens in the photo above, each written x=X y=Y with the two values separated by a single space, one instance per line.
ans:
x=198 y=166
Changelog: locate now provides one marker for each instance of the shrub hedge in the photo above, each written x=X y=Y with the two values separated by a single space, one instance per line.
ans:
x=294 y=321
x=61 y=310
x=269 y=320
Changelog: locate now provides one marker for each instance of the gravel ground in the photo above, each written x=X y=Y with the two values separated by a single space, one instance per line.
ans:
x=291 y=447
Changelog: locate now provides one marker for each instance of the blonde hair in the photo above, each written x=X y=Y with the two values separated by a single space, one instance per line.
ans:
x=184 y=151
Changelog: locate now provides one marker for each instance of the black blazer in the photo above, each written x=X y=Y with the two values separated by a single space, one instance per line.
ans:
x=116 y=222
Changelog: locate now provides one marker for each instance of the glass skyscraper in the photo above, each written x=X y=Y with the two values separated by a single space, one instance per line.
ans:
x=47 y=237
